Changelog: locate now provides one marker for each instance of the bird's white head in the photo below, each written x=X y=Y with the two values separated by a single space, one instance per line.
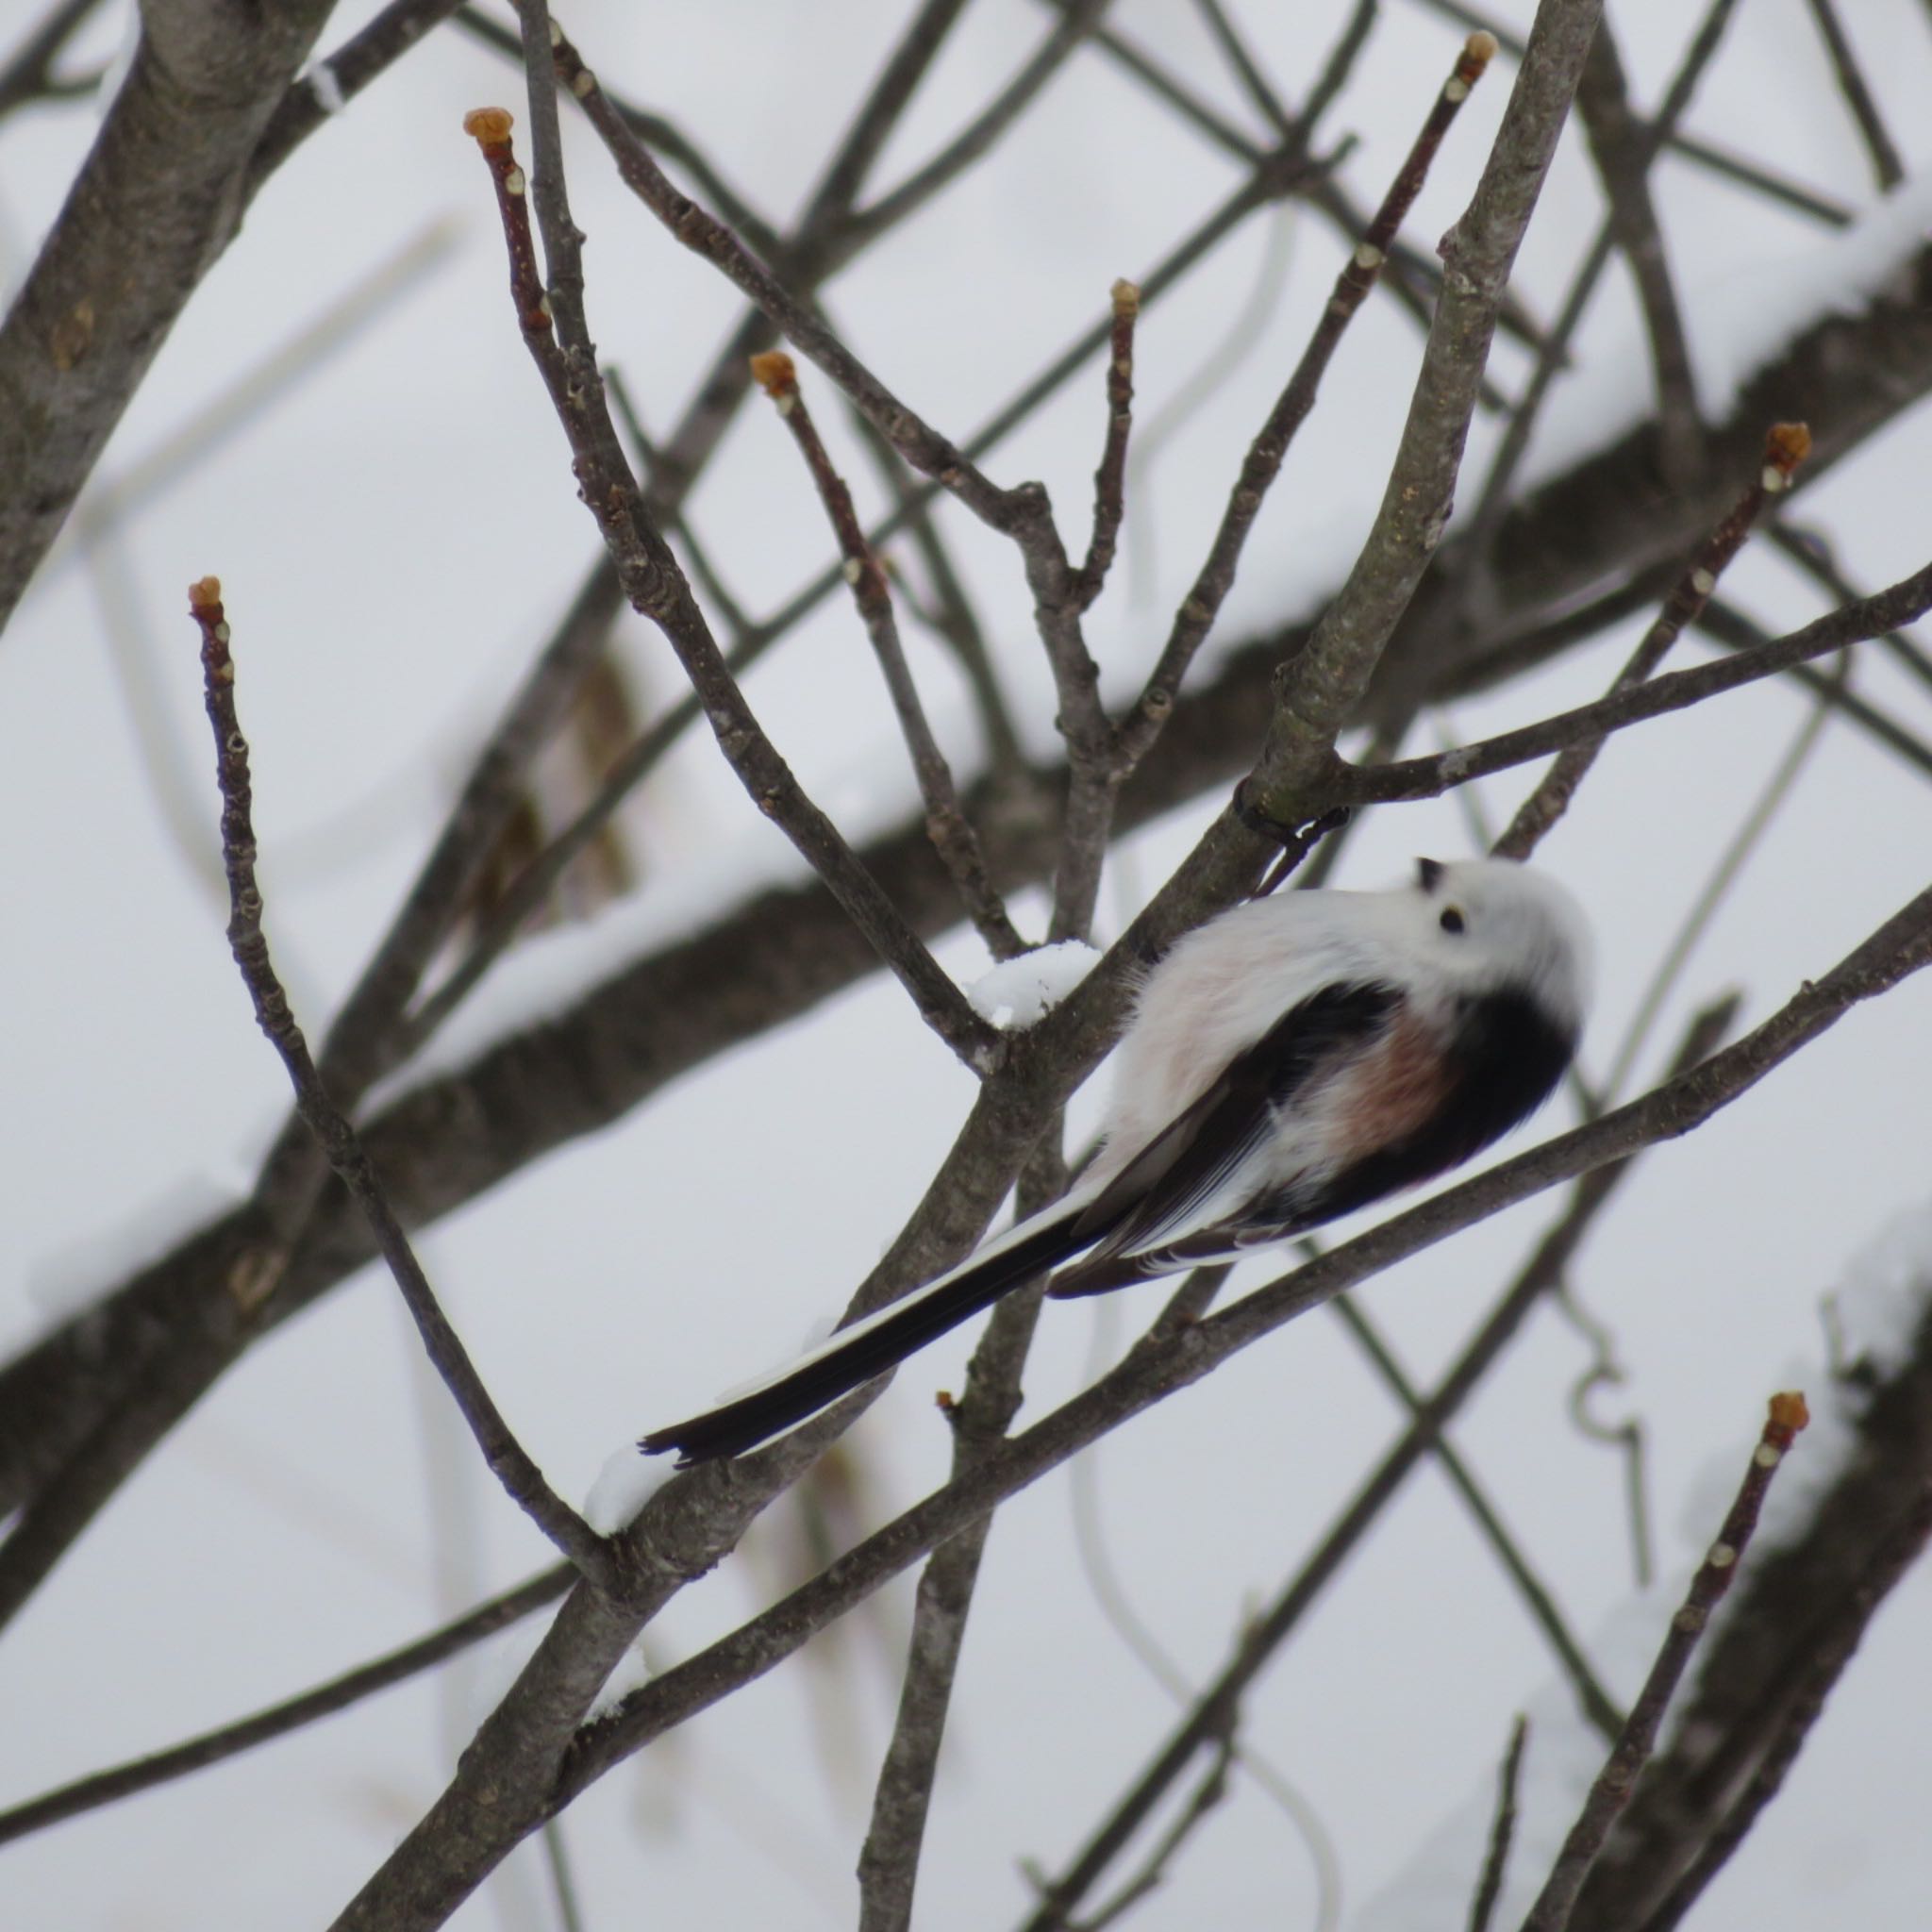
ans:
x=1488 y=923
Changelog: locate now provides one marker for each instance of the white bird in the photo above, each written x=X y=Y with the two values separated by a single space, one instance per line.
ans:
x=1290 y=1060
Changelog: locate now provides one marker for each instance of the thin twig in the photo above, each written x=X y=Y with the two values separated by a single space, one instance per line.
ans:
x=1745 y=170
x=1109 y=480
x=979 y=135
x=1812 y=552
x=1852 y=624
x=506 y=1456
x=1358 y=275
x=1725 y=624
x=922 y=446
x=29 y=74
x=946 y=824
x=1887 y=169
x=889 y=1860
x=1632 y=1750
x=1592 y=1699
x=1636 y=156
x=660 y=133
x=1825 y=1662
x=1785 y=448
x=1502 y=1830
x=1710 y=895
x=1204 y=1799
x=212 y=1747
x=1624 y=151
x=556 y=335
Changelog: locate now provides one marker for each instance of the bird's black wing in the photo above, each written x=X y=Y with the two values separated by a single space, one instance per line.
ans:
x=1155 y=1197
x=1505 y=1054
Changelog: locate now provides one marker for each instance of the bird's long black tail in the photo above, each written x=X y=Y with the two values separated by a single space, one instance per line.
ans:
x=878 y=1342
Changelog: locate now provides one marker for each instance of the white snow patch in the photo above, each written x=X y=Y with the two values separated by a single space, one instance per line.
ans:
x=326 y=88
x=630 y=1673
x=1019 y=992
x=627 y=1481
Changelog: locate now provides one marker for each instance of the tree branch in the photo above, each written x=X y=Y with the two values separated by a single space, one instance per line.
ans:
x=1324 y=685
x=555 y=332
x=1852 y=624
x=506 y=1456
x=1631 y=1753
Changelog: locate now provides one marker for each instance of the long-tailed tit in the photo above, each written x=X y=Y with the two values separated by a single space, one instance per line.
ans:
x=1294 y=1059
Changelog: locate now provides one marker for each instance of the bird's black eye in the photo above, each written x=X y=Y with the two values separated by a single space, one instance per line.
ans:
x=1452 y=921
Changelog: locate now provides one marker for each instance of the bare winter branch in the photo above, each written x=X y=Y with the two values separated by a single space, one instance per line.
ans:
x=506 y=1456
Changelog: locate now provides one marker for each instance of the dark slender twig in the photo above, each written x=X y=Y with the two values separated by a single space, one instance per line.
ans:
x=1893 y=1554
x=1812 y=552
x=1502 y=1830
x=1887 y=169
x=1785 y=448
x=212 y=1747
x=952 y=833
x=1246 y=68
x=1852 y=623
x=1632 y=1750
x=29 y=74
x=662 y=134
x=979 y=136
x=1635 y=156
x=950 y=615
x=1269 y=450
x=328 y=85
x=1417 y=277
x=1725 y=625
x=1592 y=1699
x=1109 y=480
x=922 y=446
x=555 y=333
x=1205 y=1798
x=506 y=1456
x=889 y=1860
x=1744 y=171
x=1623 y=150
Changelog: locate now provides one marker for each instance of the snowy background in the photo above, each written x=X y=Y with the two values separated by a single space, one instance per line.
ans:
x=394 y=534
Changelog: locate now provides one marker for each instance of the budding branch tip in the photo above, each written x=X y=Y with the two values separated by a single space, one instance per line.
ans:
x=204 y=594
x=1789 y=1412
x=1127 y=297
x=1786 y=445
x=775 y=373
x=489 y=126
x=1478 y=51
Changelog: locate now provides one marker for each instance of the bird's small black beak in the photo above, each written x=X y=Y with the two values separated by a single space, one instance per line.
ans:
x=1428 y=872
